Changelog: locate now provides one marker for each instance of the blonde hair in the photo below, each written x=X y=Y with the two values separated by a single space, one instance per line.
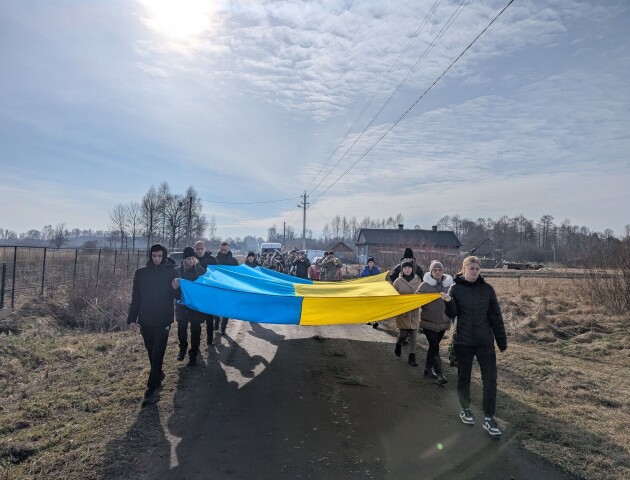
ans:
x=200 y=242
x=472 y=259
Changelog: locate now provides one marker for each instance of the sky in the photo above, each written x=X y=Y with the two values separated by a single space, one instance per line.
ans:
x=372 y=108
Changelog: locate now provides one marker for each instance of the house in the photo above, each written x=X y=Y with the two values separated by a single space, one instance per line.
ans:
x=342 y=251
x=388 y=244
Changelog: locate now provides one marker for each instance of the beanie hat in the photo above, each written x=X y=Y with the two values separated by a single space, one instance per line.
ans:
x=468 y=260
x=435 y=264
x=408 y=253
x=251 y=254
x=188 y=252
x=406 y=263
x=370 y=259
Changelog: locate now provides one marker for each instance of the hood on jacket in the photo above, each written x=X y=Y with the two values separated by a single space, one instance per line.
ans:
x=447 y=280
x=156 y=247
x=460 y=280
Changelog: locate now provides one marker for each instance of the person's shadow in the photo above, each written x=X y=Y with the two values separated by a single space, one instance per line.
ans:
x=147 y=439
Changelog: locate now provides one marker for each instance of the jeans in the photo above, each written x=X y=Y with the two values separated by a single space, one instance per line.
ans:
x=155 y=340
x=487 y=359
x=433 y=354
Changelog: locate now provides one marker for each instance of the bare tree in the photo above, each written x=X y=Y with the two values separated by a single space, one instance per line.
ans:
x=60 y=236
x=134 y=220
x=212 y=228
x=118 y=222
x=335 y=225
x=150 y=212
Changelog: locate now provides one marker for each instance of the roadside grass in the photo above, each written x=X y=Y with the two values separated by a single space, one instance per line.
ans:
x=67 y=395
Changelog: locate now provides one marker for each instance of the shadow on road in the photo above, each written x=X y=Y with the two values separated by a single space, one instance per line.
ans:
x=295 y=414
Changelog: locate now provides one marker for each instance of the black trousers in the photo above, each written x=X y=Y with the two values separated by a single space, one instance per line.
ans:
x=155 y=340
x=487 y=359
x=433 y=354
x=220 y=322
x=195 y=334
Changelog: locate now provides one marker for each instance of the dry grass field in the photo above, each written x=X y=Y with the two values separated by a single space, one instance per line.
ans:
x=64 y=393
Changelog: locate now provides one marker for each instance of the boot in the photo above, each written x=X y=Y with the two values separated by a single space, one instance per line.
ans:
x=398 y=349
x=181 y=354
x=430 y=373
x=192 y=358
x=412 y=360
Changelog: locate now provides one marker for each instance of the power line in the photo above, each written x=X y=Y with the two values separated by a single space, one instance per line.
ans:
x=447 y=25
x=252 y=203
x=376 y=92
x=419 y=98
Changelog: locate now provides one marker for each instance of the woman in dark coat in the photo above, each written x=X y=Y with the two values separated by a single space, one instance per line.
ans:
x=190 y=269
x=479 y=324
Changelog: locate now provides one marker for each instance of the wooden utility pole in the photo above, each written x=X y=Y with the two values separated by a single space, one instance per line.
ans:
x=303 y=206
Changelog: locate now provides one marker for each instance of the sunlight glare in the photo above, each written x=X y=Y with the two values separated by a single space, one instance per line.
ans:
x=179 y=19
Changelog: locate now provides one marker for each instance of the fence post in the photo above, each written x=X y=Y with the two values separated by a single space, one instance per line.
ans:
x=3 y=282
x=115 y=257
x=13 y=281
x=43 y=271
x=98 y=267
x=74 y=273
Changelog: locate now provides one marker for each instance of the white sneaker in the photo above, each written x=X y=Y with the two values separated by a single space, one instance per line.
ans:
x=490 y=426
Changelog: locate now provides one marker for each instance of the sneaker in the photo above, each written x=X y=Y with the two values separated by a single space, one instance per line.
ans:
x=181 y=355
x=490 y=426
x=467 y=416
x=398 y=349
x=441 y=379
x=430 y=373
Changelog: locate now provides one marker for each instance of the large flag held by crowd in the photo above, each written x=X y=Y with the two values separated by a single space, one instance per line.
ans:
x=266 y=296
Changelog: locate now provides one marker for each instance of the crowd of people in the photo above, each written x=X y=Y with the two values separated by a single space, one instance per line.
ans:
x=466 y=301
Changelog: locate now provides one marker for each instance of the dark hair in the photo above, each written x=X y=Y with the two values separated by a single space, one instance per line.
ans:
x=224 y=244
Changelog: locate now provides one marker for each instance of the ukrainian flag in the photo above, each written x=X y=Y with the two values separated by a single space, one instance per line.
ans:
x=266 y=296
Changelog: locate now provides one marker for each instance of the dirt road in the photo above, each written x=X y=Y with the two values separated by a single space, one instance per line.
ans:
x=274 y=402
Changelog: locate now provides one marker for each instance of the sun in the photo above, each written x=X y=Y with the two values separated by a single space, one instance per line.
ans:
x=180 y=19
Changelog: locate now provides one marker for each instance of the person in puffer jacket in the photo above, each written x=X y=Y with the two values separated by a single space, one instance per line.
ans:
x=190 y=269
x=433 y=320
x=479 y=324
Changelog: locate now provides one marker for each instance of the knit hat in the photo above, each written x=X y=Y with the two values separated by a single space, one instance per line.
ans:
x=435 y=264
x=188 y=252
x=468 y=260
x=370 y=259
x=406 y=263
x=408 y=253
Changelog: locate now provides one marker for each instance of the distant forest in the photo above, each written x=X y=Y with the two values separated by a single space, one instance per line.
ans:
x=178 y=219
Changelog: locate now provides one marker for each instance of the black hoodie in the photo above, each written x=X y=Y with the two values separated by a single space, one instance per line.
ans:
x=152 y=298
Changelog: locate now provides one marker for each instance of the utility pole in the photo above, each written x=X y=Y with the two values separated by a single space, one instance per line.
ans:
x=303 y=206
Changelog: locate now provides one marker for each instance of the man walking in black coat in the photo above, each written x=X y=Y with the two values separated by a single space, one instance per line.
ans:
x=151 y=309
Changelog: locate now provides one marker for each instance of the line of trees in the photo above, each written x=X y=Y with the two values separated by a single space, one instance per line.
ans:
x=542 y=240
x=161 y=216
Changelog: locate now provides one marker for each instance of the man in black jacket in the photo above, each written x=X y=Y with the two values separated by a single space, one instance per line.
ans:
x=300 y=265
x=224 y=257
x=205 y=259
x=151 y=308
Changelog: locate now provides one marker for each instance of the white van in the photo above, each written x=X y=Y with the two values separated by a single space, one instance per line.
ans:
x=269 y=247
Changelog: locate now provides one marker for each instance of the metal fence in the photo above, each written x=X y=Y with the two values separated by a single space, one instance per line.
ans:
x=26 y=272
